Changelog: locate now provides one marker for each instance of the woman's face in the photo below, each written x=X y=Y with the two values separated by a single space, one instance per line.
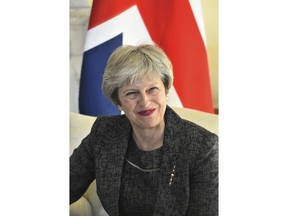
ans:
x=144 y=102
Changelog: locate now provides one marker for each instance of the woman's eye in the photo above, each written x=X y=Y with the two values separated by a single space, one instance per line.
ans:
x=131 y=95
x=153 y=90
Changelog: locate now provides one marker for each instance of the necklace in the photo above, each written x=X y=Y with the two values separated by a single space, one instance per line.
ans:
x=139 y=168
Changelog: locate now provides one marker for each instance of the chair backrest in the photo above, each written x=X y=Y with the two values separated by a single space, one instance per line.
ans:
x=80 y=126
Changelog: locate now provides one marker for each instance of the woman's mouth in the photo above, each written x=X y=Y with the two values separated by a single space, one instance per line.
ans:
x=146 y=112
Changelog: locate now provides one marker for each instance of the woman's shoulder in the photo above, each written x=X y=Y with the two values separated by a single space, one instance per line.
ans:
x=111 y=122
x=196 y=136
x=111 y=118
x=189 y=135
x=185 y=126
x=194 y=128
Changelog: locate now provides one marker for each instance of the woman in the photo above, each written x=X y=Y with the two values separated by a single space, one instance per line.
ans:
x=148 y=161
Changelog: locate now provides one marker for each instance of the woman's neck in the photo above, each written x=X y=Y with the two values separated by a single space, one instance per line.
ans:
x=149 y=139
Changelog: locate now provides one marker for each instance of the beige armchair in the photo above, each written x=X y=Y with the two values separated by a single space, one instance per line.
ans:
x=80 y=125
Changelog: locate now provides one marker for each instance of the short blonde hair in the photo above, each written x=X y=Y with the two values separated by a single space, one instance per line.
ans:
x=130 y=63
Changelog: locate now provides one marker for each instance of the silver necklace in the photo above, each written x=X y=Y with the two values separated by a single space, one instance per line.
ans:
x=139 y=168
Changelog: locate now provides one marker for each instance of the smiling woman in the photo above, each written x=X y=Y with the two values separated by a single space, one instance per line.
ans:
x=148 y=161
x=138 y=79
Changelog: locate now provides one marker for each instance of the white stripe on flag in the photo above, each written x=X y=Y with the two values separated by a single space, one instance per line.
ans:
x=173 y=98
x=198 y=14
x=134 y=33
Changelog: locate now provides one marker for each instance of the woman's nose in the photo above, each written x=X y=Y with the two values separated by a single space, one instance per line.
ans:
x=144 y=99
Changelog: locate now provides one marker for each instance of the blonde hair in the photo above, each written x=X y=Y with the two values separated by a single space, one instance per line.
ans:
x=130 y=63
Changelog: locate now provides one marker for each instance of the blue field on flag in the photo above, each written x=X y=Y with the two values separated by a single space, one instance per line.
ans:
x=91 y=99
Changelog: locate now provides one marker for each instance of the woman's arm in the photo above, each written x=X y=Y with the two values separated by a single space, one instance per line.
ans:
x=82 y=165
x=204 y=180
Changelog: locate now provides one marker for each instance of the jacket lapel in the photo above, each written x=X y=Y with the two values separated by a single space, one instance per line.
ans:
x=109 y=178
x=165 y=199
x=172 y=170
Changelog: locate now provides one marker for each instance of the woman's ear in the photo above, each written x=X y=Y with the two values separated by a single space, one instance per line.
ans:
x=119 y=108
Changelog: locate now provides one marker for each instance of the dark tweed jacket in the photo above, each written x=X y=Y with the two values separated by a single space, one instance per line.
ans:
x=190 y=148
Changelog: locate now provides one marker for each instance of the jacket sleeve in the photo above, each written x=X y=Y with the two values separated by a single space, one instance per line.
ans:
x=204 y=180
x=82 y=168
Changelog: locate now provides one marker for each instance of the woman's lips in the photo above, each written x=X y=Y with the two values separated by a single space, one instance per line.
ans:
x=146 y=112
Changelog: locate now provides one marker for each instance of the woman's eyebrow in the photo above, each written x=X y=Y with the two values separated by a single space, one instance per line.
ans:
x=130 y=89
x=136 y=89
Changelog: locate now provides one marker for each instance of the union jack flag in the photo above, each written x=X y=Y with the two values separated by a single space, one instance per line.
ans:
x=170 y=24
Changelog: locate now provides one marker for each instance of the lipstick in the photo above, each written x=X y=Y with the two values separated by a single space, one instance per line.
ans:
x=146 y=112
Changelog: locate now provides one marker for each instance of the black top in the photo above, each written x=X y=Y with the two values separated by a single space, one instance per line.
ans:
x=139 y=188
